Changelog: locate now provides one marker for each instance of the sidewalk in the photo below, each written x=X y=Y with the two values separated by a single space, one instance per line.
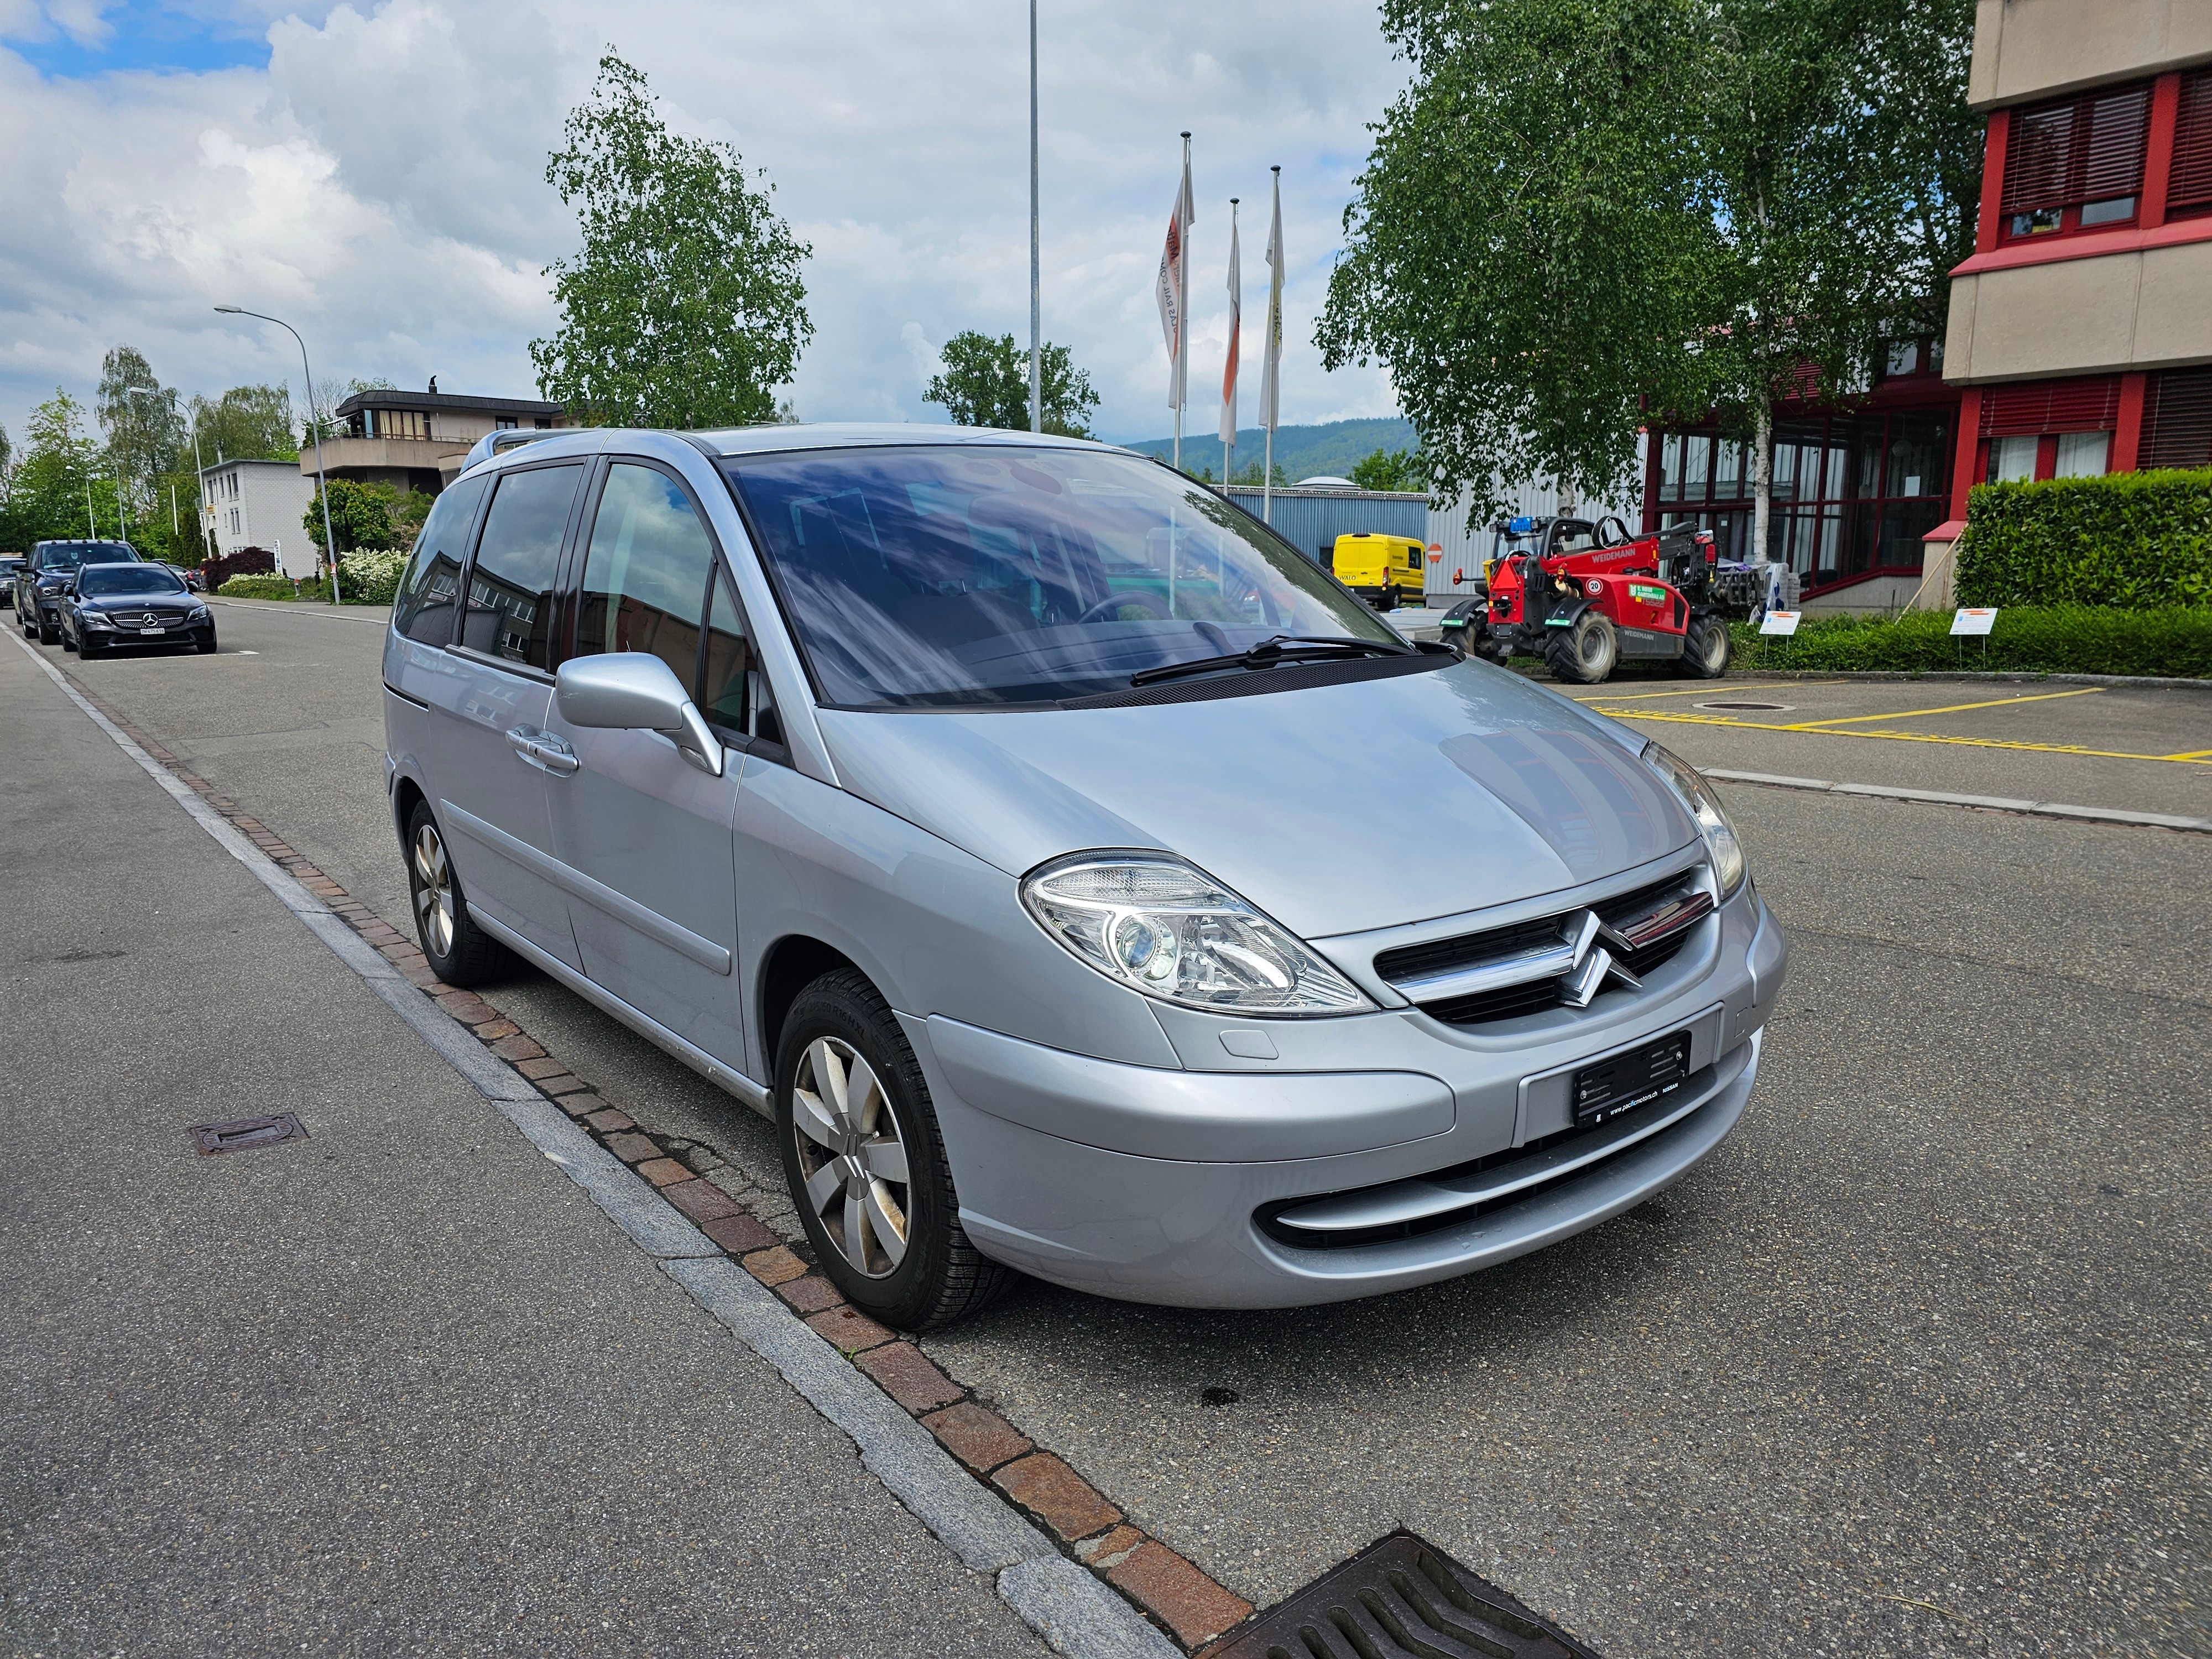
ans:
x=400 y=1387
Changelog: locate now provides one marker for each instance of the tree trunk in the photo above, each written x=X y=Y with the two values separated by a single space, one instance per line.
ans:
x=1762 y=478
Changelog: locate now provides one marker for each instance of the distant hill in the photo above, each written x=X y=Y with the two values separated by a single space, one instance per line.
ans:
x=1302 y=452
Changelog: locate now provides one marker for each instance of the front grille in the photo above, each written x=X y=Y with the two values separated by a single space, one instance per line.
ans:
x=1656 y=919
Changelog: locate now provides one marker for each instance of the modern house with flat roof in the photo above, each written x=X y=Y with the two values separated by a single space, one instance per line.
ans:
x=260 y=504
x=416 y=440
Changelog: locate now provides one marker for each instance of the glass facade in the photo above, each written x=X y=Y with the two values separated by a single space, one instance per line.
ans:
x=1851 y=494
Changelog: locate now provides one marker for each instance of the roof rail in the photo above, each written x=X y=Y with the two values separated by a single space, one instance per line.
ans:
x=493 y=443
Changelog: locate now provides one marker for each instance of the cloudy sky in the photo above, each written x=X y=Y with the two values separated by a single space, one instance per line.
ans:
x=375 y=174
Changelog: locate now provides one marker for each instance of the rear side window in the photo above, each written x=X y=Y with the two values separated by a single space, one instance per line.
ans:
x=646 y=571
x=423 y=608
x=509 y=612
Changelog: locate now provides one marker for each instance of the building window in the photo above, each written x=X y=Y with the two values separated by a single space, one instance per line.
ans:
x=505 y=423
x=2177 y=427
x=2189 y=185
x=2081 y=454
x=2075 y=164
x=2012 y=460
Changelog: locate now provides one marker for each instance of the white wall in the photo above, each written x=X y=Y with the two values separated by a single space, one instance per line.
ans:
x=271 y=501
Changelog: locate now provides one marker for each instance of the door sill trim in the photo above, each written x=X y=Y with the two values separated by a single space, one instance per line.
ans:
x=723 y=1077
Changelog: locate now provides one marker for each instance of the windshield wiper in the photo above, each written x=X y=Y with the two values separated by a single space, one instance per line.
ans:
x=1273 y=652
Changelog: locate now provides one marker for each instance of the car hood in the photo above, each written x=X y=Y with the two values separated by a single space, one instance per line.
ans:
x=1334 y=808
x=162 y=604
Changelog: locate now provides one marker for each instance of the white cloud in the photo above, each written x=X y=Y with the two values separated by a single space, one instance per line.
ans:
x=380 y=184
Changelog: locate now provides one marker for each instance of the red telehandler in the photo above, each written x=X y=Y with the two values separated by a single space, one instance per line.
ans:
x=1586 y=597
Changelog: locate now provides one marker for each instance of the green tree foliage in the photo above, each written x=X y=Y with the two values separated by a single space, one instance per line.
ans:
x=986 y=382
x=1255 y=474
x=57 y=488
x=246 y=424
x=684 y=306
x=1582 y=210
x=1392 y=468
x=145 y=427
x=366 y=516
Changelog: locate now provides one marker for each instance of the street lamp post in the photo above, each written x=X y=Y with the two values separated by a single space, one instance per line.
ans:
x=322 y=481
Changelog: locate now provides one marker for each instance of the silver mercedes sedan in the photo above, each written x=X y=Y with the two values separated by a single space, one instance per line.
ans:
x=1083 y=882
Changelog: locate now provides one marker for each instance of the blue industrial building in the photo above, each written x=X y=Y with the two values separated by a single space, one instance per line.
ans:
x=1311 y=520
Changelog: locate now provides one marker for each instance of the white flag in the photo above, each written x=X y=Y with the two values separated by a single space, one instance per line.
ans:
x=1235 y=338
x=1170 y=289
x=1271 y=361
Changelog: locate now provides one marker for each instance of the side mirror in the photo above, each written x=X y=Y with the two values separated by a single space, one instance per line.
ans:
x=630 y=691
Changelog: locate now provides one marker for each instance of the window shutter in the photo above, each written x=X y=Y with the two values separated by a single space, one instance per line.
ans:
x=2178 y=419
x=2088 y=149
x=2091 y=404
x=2189 y=189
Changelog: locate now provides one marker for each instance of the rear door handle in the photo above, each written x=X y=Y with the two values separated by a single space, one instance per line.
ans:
x=543 y=751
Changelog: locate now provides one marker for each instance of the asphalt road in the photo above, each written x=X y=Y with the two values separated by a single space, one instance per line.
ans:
x=1915 y=1364
x=398 y=1389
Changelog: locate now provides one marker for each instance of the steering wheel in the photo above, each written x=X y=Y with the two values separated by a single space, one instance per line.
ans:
x=1114 y=602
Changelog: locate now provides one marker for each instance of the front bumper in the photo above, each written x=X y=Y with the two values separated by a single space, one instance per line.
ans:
x=188 y=634
x=1168 y=1186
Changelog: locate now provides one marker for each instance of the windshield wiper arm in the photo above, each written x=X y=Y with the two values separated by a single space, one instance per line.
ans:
x=1274 y=652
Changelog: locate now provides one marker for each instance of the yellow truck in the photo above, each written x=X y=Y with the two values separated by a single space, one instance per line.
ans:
x=1384 y=570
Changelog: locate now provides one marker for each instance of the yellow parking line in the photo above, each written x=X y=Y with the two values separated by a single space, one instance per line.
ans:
x=1918 y=737
x=2194 y=754
x=1708 y=691
x=1952 y=708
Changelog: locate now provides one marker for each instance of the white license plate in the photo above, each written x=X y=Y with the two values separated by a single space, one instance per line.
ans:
x=151 y=630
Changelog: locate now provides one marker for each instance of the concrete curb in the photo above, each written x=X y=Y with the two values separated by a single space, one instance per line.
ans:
x=1988 y=803
x=1065 y=1602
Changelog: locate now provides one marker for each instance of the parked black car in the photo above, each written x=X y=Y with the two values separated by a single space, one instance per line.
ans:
x=188 y=574
x=39 y=584
x=109 y=605
x=10 y=564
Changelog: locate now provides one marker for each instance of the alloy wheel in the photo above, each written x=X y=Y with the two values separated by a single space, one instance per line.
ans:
x=434 y=891
x=852 y=1159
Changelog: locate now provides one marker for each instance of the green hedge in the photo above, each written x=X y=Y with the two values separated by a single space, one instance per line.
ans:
x=2173 y=643
x=2138 y=540
x=257 y=588
x=371 y=575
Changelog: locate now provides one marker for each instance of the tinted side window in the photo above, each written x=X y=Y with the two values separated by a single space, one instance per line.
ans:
x=423 y=608
x=732 y=691
x=645 y=575
x=510 y=605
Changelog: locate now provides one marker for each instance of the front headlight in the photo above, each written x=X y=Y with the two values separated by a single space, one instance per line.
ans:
x=199 y=614
x=1154 y=923
x=1729 y=861
x=92 y=619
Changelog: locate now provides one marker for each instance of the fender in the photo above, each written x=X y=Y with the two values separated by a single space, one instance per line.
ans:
x=1570 y=613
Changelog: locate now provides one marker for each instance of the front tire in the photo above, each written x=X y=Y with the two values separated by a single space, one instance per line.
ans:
x=460 y=952
x=1705 y=647
x=1586 y=653
x=206 y=647
x=866 y=1163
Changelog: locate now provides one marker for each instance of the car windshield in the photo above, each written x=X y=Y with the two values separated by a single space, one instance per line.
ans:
x=951 y=575
x=70 y=555
x=127 y=578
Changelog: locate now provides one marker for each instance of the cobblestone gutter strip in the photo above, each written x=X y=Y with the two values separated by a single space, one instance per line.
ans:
x=997 y=1501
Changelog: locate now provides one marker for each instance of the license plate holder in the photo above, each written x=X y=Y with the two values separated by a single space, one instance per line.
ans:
x=153 y=630
x=1612 y=1087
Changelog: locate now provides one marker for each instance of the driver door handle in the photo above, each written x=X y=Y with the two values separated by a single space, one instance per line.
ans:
x=543 y=751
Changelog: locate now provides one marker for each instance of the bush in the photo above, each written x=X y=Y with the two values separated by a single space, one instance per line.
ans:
x=2174 y=643
x=2138 y=540
x=371 y=576
x=257 y=588
x=247 y=561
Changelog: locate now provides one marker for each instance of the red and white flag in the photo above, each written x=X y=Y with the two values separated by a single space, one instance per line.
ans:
x=1236 y=337
x=1169 y=288
x=1271 y=359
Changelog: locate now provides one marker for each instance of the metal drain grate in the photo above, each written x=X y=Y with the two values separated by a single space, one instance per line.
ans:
x=1401 y=1599
x=247 y=1134
x=1764 y=707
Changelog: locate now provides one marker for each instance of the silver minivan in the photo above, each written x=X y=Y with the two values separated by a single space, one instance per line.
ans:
x=1082 y=882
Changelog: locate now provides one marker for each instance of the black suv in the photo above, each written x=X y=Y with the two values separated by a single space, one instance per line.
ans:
x=39 y=584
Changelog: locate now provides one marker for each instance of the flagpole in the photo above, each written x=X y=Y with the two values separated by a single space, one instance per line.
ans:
x=1036 y=305
x=1183 y=305
x=1273 y=394
x=1236 y=323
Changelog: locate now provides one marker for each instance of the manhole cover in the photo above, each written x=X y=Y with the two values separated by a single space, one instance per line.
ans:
x=247 y=1134
x=1403 y=1596
x=1766 y=707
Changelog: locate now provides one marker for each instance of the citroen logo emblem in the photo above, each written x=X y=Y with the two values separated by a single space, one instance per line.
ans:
x=1594 y=962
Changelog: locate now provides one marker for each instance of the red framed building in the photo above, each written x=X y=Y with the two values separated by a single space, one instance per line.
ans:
x=2080 y=330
